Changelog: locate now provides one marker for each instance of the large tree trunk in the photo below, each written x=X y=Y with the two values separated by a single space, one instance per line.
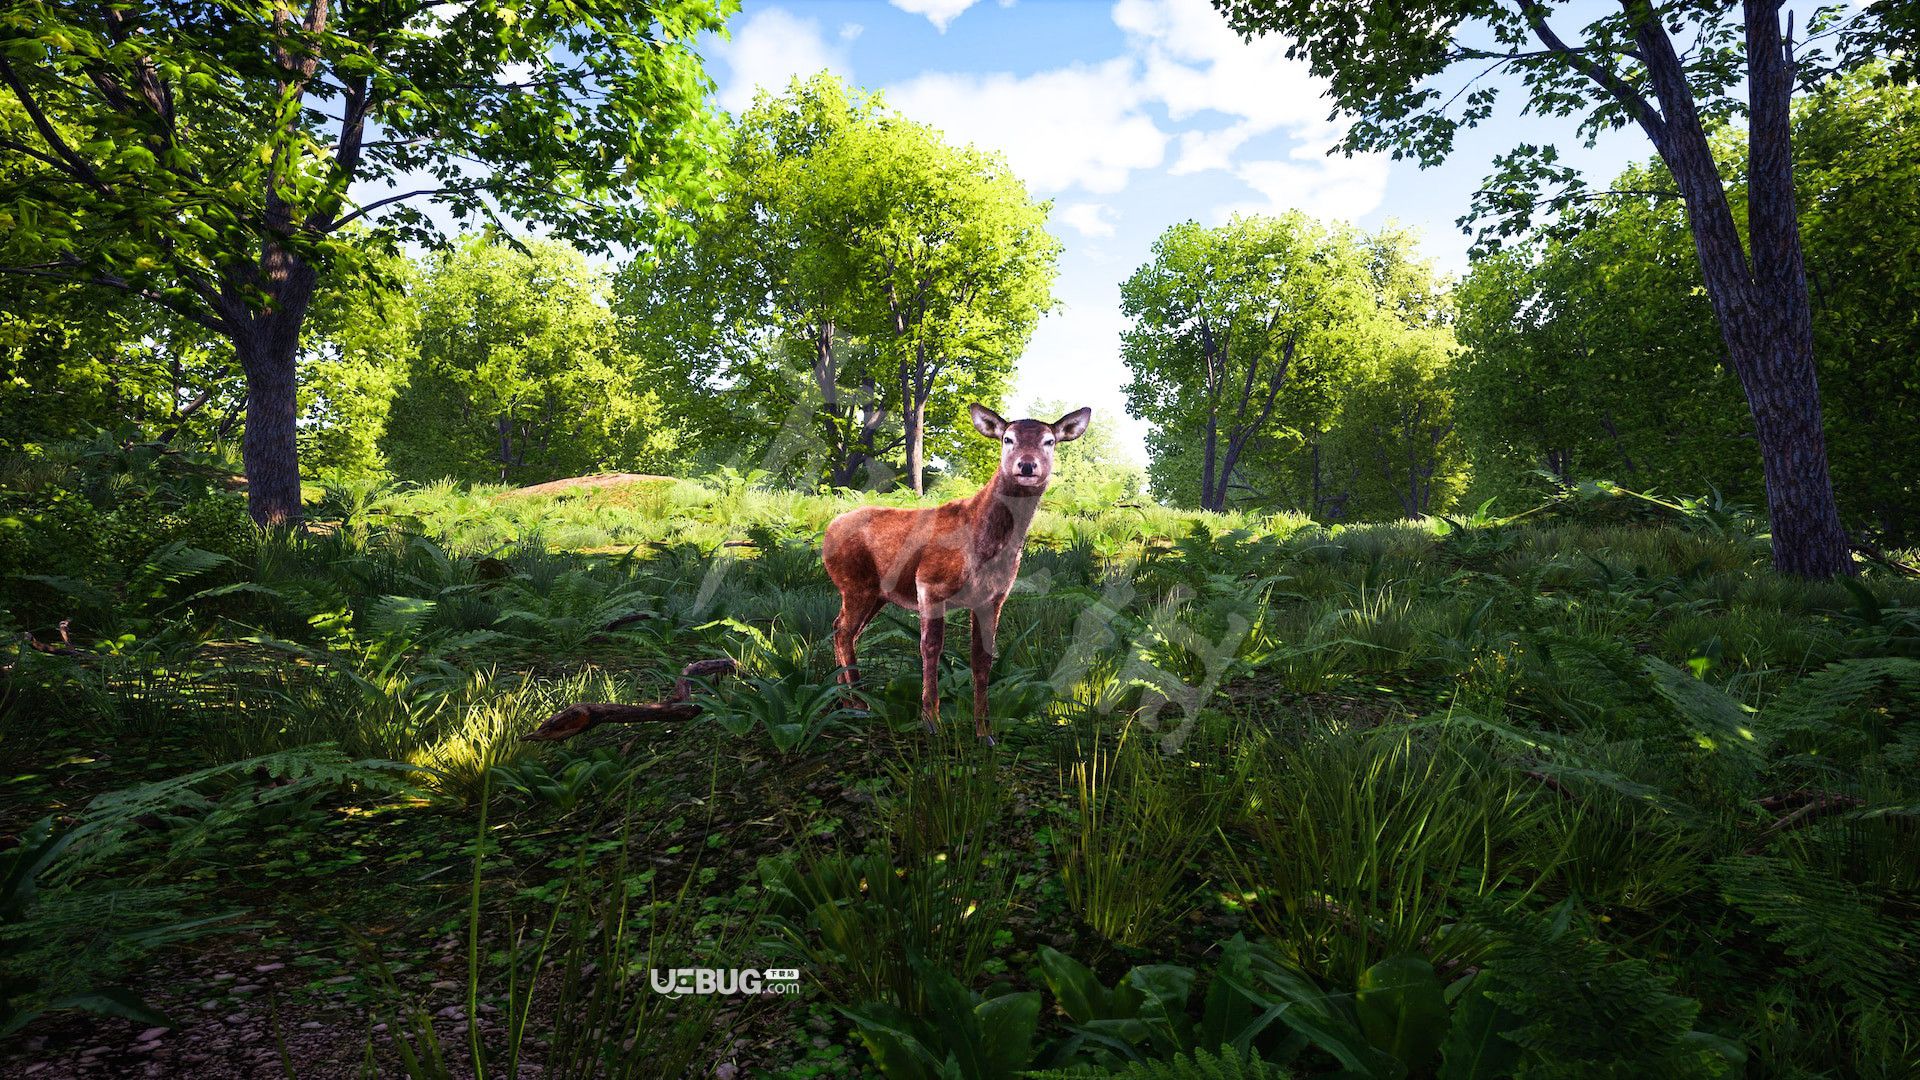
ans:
x=269 y=448
x=268 y=346
x=1784 y=397
x=1761 y=304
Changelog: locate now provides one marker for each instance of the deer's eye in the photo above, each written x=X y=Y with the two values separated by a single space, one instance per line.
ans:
x=1048 y=442
x=1009 y=440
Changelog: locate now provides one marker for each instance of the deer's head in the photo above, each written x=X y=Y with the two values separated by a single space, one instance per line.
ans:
x=1026 y=446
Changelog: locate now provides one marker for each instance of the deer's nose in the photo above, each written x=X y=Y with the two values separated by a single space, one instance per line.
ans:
x=1027 y=467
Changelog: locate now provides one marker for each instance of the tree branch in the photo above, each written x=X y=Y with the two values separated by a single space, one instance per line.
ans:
x=199 y=318
x=75 y=165
x=1642 y=110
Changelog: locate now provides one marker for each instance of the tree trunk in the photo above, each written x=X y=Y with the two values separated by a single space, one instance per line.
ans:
x=1784 y=397
x=1761 y=305
x=269 y=449
x=1212 y=494
x=916 y=420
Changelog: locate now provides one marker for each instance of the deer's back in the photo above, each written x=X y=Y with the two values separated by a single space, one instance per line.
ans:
x=896 y=550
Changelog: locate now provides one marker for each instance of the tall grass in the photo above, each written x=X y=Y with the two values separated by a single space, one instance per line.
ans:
x=1362 y=845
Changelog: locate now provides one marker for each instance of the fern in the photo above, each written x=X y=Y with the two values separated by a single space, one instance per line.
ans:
x=1718 y=721
x=1833 y=931
x=1583 y=1013
x=1201 y=1065
x=105 y=829
x=1822 y=712
x=169 y=565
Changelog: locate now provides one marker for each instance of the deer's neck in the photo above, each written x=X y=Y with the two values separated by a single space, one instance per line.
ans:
x=1001 y=516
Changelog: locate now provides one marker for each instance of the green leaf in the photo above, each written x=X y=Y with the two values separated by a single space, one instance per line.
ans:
x=1402 y=1009
x=1475 y=1048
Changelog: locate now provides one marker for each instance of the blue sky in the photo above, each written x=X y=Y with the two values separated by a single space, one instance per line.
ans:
x=1131 y=115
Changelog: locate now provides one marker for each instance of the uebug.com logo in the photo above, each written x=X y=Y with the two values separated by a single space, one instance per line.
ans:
x=680 y=982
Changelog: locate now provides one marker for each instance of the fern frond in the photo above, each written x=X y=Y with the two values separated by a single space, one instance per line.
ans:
x=105 y=828
x=1585 y=1013
x=1834 y=931
x=1201 y=1065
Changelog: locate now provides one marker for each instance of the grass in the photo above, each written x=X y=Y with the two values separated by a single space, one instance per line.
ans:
x=1602 y=765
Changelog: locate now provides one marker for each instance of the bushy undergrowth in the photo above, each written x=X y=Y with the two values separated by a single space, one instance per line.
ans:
x=1592 y=793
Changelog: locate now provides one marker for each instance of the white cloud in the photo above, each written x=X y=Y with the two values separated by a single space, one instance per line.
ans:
x=768 y=50
x=1196 y=65
x=1078 y=125
x=1091 y=219
x=1326 y=187
x=851 y=31
x=940 y=13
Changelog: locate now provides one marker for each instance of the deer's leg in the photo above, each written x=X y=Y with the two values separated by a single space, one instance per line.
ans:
x=933 y=635
x=986 y=620
x=856 y=611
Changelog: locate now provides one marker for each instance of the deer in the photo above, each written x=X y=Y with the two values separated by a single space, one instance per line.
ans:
x=960 y=555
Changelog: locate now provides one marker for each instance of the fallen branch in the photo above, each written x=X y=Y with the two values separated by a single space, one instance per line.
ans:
x=1884 y=559
x=575 y=719
x=65 y=648
x=1813 y=804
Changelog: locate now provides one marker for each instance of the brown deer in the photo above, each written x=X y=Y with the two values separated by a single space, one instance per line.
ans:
x=962 y=554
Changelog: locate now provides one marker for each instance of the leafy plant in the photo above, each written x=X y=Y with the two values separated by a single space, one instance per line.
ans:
x=1146 y=1013
x=1142 y=817
x=1199 y=1065
x=958 y=1035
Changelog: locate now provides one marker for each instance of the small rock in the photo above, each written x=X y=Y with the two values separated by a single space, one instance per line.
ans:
x=34 y=1068
x=247 y=988
x=726 y=1070
x=264 y=968
x=822 y=1042
x=312 y=1025
x=98 y=1050
x=453 y=1012
x=209 y=1005
x=446 y=984
x=379 y=1029
x=152 y=1034
x=338 y=979
x=225 y=976
x=236 y=1019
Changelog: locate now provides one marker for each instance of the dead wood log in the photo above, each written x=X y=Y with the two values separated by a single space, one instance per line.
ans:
x=1884 y=559
x=628 y=619
x=575 y=719
x=1812 y=804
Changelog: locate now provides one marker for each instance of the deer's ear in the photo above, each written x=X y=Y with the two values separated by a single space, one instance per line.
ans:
x=987 y=422
x=1073 y=425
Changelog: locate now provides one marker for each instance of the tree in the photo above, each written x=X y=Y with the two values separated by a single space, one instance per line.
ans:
x=1583 y=361
x=1397 y=431
x=757 y=308
x=1672 y=70
x=204 y=156
x=953 y=265
x=1221 y=317
x=71 y=362
x=860 y=274
x=358 y=351
x=521 y=375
